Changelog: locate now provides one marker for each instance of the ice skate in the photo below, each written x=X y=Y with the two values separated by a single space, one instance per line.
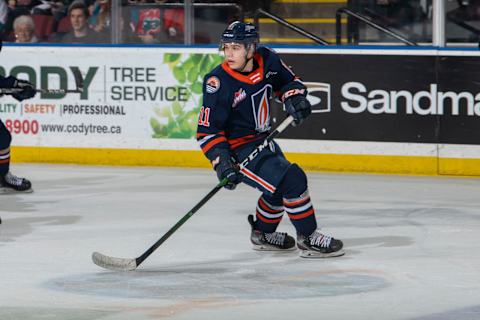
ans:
x=10 y=183
x=275 y=241
x=318 y=245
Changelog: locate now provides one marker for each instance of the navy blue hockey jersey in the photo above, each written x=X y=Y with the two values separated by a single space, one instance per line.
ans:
x=236 y=107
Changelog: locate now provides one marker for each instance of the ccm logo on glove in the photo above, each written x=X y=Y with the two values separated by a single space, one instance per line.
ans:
x=292 y=92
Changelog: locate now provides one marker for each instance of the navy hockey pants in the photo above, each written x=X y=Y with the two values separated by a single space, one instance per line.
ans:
x=284 y=189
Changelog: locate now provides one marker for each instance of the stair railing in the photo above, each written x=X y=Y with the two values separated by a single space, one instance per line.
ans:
x=260 y=12
x=451 y=16
x=360 y=17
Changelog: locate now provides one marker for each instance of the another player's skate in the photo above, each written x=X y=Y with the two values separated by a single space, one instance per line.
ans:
x=10 y=183
x=318 y=245
x=275 y=241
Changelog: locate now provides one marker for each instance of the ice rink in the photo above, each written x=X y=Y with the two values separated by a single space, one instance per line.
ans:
x=412 y=249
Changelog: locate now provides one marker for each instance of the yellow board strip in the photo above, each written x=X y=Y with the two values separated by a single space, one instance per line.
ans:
x=300 y=20
x=123 y=157
x=365 y=163
x=196 y=159
x=455 y=166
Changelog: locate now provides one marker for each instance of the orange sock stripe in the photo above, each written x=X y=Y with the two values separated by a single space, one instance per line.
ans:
x=5 y=161
x=266 y=220
x=301 y=215
x=265 y=207
x=296 y=203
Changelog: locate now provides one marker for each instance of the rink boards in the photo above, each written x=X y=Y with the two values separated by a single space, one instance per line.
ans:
x=375 y=110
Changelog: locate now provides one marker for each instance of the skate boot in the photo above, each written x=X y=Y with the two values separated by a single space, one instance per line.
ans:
x=10 y=183
x=318 y=245
x=275 y=241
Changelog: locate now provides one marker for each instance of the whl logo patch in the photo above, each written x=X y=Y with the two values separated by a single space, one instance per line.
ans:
x=238 y=97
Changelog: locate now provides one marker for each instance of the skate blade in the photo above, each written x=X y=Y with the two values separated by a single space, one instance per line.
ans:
x=259 y=247
x=318 y=255
x=13 y=191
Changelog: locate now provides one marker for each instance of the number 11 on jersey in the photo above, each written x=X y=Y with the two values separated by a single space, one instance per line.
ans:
x=203 y=118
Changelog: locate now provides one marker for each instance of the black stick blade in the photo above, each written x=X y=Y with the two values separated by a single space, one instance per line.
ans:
x=111 y=263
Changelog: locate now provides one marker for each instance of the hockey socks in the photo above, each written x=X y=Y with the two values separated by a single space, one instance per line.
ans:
x=5 y=140
x=296 y=200
x=4 y=161
x=269 y=213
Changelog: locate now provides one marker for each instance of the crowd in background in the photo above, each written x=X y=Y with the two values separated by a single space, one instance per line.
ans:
x=146 y=21
x=86 y=21
x=76 y=21
x=89 y=21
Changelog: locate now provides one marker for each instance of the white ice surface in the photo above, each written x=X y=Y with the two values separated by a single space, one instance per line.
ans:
x=412 y=249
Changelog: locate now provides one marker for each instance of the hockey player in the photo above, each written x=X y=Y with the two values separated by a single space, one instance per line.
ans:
x=8 y=181
x=235 y=118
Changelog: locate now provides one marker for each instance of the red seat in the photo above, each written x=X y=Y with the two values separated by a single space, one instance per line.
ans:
x=64 y=25
x=173 y=18
x=44 y=25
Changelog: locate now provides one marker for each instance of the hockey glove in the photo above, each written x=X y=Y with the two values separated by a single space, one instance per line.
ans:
x=296 y=104
x=27 y=89
x=226 y=168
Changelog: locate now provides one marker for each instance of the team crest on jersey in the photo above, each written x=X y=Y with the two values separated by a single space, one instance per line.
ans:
x=261 y=108
x=213 y=84
x=238 y=97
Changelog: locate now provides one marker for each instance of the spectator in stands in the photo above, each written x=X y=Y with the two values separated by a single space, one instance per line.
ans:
x=3 y=15
x=22 y=7
x=24 y=30
x=80 y=33
x=99 y=15
x=146 y=25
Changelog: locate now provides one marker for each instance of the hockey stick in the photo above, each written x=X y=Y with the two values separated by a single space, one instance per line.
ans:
x=78 y=83
x=11 y=91
x=125 y=264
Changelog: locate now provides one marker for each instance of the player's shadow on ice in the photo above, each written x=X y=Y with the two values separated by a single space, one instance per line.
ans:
x=17 y=203
x=245 y=276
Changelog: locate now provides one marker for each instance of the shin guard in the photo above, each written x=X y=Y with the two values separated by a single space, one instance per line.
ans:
x=269 y=213
x=296 y=200
x=5 y=140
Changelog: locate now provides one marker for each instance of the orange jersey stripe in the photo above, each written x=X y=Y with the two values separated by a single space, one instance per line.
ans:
x=201 y=135
x=212 y=143
x=238 y=142
x=258 y=180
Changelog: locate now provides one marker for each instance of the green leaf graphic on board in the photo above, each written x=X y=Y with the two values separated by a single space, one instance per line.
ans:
x=171 y=57
x=179 y=74
x=197 y=87
x=179 y=119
